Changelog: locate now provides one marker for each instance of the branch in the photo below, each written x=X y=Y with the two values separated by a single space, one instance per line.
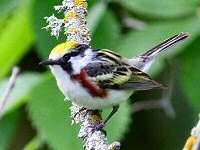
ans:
x=74 y=25
x=9 y=89
x=89 y=120
x=131 y=22
x=165 y=101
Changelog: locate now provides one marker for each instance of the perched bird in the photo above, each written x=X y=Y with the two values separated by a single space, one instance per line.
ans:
x=100 y=78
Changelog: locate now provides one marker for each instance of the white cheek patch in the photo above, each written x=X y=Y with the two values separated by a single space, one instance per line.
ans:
x=76 y=65
x=79 y=62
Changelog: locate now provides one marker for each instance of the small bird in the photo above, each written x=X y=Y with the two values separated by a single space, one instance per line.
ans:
x=100 y=78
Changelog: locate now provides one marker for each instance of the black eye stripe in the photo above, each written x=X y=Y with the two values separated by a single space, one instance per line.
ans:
x=68 y=55
x=82 y=47
x=79 y=50
x=67 y=67
x=74 y=53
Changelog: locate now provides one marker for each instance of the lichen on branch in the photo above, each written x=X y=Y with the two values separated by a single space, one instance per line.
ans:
x=74 y=23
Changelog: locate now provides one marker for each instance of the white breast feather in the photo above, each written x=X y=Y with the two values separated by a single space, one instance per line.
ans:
x=80 y=95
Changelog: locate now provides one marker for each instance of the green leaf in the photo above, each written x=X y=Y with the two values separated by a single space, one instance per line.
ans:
x=137 y=42
x=107 y=32
x=25 y=82
x=50 y=115
x=16 y=38
x=6 y=6
x=45 y=42
x=190 y=73
x=119 y=123
x=161 y=8
x=8 y=126
x=34 y=144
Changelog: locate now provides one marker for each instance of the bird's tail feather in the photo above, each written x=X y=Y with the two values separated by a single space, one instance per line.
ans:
x=144 y=61
x=164 y=45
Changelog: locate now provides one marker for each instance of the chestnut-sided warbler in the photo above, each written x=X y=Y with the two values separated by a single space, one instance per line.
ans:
x=100 y=78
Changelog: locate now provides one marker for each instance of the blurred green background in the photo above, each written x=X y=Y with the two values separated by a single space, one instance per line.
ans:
x=36 y=116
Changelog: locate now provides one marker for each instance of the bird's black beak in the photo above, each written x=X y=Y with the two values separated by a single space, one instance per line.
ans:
x=49 y=62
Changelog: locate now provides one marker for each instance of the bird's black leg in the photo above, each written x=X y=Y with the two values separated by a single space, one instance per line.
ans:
x=115 y=109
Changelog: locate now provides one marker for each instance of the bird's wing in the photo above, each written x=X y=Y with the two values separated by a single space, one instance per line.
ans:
x=111 y=75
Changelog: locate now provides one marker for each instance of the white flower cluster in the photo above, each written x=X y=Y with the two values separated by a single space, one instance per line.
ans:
x=193 y=142
x=196 y=134
x=74 y=23
x=196 y=130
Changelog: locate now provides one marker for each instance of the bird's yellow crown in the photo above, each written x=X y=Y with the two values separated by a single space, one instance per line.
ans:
x=62 y=48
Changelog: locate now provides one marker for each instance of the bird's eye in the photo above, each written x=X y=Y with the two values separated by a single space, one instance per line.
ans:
x=66 y=57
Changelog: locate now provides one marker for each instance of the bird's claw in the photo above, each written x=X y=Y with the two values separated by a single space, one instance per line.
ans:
x=100 y=127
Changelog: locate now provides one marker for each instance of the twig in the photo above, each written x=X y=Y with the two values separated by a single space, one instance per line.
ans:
x=165 y=101
x=9 y=89
x=131 y=22
x=76 y=30
x=193 y=142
